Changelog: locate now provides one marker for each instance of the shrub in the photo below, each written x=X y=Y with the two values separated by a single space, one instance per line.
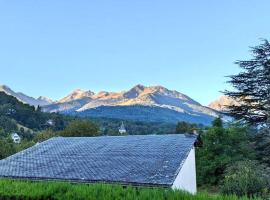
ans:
x=246 y=178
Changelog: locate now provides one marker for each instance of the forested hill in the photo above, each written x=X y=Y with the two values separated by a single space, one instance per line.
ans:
x=20 y=117
x=17 y=116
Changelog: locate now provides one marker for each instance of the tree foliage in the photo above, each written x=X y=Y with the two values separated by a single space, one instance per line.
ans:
x=6 y=148
x=221 y=147
x=13 y=112
x=262 y=146
x=111 y=127
x=184 y=127
x=252 y=87
x=80 y=128
x=247 y=178
x=45 y=135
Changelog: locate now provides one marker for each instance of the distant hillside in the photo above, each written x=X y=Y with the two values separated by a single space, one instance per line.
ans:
x=15 y=115
x=109 y=126
x=152 y=104
x=145 y=113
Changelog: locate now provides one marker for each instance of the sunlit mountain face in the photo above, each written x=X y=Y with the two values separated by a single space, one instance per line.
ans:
x=153 y=103
x=222 y=103
x=140 y=103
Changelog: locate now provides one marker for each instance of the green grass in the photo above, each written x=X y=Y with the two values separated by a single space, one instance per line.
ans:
x=11 y=189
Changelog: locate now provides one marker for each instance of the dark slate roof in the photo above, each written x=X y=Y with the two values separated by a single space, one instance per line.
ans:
x=139 y=160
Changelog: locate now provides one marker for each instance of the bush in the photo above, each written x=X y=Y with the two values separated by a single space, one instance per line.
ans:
x=247 y=178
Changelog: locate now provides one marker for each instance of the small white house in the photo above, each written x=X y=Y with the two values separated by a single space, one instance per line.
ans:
x=16 y=138
x=50 y=122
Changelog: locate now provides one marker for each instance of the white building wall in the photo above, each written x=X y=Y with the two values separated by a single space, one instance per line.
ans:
x=186 y=178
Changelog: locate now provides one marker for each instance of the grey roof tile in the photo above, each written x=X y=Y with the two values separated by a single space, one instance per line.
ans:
x=140 y=159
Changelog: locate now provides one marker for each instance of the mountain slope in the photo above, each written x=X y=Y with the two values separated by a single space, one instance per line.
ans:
x=41 y=101
x=143 y=103
x=222 y=103
x=72 y=102
x=77 y=94
x=15 y=114
x=145 y=114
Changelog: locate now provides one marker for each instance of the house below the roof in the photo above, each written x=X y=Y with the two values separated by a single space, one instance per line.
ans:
x=140 y=160
x=16 y=138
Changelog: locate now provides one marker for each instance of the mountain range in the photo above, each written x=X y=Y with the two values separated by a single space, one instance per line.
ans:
x=40 y=101
x=142 y=103
x=154 y=103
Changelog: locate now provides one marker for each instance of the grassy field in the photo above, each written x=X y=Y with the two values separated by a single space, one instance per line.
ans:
x=10 y=189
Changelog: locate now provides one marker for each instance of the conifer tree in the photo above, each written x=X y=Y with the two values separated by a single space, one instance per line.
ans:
x=252 y=88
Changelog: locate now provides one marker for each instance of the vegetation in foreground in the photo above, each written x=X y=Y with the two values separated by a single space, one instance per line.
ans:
x=10 y=189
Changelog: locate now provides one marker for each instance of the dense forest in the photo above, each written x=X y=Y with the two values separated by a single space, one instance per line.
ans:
x=17 y=116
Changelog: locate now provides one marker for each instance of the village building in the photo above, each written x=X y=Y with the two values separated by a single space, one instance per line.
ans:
x=50 y=122
x=140 y=160
x=16 y=138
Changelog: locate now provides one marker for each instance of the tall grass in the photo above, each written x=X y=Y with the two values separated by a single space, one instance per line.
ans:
x=11 y=189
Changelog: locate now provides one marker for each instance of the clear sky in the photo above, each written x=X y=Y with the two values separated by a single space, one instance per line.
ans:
x=51 y=47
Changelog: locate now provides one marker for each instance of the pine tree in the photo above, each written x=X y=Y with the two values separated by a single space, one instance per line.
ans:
x=252 y=88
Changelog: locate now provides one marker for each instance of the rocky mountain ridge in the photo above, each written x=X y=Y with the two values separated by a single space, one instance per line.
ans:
x=222 y=103
x=145 y=103
x=41 y=101
x=81 y=102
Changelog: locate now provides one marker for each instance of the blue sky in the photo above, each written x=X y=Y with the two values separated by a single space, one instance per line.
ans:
x=55 y=46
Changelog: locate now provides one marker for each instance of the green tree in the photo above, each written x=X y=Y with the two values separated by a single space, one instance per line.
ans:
x=221 y=147
x=7 y=148
x=217 y=123
x=8 y=124
x=262 y=146
x=2 y=133
x=80 y=128
x=44 y=135
x=252 y=87
x=184 y=127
